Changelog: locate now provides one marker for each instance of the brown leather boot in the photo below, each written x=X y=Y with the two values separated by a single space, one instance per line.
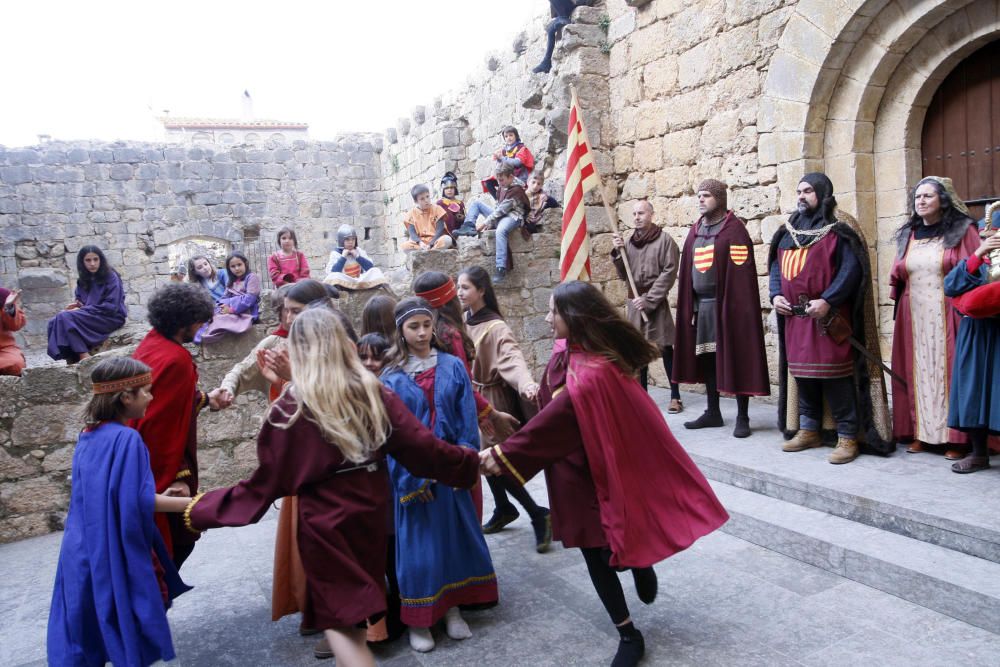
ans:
x=846 y=450
x=803 y=440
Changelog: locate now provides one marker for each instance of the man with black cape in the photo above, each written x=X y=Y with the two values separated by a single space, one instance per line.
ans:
x=821 y=288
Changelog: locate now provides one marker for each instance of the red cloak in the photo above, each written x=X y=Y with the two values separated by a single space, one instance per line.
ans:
x=653 y=501
x=741 y=365
x=169 y=427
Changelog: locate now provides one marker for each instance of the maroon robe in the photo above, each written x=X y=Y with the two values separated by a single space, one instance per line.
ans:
x=741 y=364
x=615 y=473
x=342 y=516
x=904 y=406
x=170 y=426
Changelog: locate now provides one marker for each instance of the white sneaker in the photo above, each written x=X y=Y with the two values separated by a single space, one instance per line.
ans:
x=455 y=625
x=421 y=640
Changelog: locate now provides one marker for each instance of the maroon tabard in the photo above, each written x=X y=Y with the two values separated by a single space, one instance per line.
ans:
x=810 y=352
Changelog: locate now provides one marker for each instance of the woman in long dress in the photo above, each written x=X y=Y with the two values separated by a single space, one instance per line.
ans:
x=930 y=244
x=501 y=375
x=98 y=310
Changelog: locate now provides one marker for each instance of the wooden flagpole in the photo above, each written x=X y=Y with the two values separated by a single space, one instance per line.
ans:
x=613 y=219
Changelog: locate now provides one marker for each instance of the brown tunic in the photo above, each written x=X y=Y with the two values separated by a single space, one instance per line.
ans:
x=341 y=516
x=499 y=371
x=654 y=267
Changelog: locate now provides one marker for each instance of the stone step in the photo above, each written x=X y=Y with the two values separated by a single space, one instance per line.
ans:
x=873 y=506
x=964 y=587
x=914 y=495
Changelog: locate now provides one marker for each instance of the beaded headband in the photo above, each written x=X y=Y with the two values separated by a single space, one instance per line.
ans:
x=411 y=312
x=123 y=384
x=439 y=296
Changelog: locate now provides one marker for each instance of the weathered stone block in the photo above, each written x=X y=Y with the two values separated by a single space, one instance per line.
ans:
x=33 y=495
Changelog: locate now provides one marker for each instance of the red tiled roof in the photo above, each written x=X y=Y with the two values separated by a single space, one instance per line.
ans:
x=179 y=123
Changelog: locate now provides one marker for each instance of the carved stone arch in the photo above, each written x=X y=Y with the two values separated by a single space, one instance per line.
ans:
x=850 y=98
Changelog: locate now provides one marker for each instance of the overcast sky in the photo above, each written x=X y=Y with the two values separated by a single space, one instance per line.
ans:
x=101 y=69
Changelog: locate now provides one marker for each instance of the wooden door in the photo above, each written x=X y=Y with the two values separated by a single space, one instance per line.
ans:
x=961 y=137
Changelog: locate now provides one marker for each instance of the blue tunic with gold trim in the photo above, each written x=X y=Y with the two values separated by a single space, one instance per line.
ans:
x=442 y=560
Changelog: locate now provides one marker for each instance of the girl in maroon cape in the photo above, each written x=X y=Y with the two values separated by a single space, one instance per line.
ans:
x=622 y=489
x=325 y=441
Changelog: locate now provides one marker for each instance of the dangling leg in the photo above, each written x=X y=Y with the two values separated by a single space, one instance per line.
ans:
x=631 y=646
x=712 y=417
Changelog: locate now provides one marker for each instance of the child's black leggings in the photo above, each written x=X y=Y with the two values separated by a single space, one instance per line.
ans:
x=606 y=582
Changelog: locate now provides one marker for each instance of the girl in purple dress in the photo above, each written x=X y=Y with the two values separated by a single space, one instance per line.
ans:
x=239 y=307
x=98 y=311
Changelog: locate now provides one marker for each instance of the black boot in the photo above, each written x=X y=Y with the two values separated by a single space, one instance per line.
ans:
x=742 y=428
x=541 y=523
x=708 y=419
x=646 y=583
x=466 y=229
x=631 y=648
x=543 y=67
x=499 y=275
x=500 y=519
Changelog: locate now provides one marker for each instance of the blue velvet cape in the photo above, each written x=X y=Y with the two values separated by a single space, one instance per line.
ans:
x=107 y=604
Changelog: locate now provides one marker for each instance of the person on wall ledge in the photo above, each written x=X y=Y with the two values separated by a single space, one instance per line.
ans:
x=562 y=12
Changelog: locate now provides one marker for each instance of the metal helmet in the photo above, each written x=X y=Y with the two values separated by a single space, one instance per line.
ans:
x=345 y=232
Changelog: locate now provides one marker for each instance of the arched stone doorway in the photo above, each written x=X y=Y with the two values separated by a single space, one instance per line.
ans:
x=851 y=98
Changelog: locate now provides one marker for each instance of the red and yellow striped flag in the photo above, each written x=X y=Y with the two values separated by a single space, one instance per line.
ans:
x=581 y=176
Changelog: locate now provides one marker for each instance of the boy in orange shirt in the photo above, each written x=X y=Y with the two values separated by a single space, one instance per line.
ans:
x=425 y=223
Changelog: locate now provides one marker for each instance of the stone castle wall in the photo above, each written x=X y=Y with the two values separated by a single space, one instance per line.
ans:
x=136 y=200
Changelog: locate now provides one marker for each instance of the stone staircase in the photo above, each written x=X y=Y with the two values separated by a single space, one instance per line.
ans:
x=905 y=525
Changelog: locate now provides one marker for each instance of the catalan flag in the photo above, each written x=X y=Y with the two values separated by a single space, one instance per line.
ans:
x=739 y=254
x=581 y=176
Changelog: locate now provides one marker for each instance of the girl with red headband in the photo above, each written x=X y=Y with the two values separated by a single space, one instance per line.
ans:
x=441 y=293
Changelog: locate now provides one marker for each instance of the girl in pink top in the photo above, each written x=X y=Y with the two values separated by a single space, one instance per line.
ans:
x=288 y=265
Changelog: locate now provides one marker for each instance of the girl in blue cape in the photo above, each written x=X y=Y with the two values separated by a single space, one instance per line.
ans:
x=441 y=556
x=115 y=579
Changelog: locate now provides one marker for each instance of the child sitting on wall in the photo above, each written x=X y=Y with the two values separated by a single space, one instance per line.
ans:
x=350 y=267
x=424 y=224
x=539 y=201
x=287 y=265
x=514 y=154
x=454 y=207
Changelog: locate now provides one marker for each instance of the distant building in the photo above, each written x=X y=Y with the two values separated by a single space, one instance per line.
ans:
x=232 y=130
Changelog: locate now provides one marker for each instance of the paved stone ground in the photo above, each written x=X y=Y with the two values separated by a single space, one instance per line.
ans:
x=723 y=602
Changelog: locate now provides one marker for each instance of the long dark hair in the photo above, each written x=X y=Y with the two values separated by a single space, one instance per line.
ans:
x=951 y=217
x=230 y=278
x=480 y=277
x=398 y=353
x=309 y=290
x=596 y=326
x=377 y=317
x=85 y=277
x=449 y=314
